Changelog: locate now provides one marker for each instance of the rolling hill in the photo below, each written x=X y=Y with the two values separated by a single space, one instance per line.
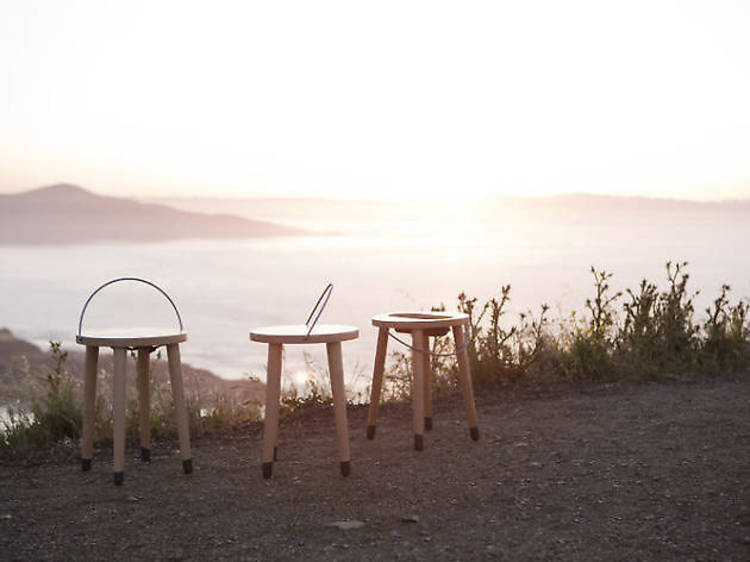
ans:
x=68 y=214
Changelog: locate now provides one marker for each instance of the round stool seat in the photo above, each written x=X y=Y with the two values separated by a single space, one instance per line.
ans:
x=297 y=334
x=408 y=321
x=132 y=337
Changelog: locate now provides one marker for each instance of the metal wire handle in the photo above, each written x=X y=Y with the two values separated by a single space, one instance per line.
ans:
x=327 y=294
x=455 y=352
x=91 y=296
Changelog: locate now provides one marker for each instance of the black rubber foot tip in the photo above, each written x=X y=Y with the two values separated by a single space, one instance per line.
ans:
x=371 y=432
x=187 y=466
x=418 y=442
x=474 y=432
x=119 y=478
x=275 y=454
x=85 y=465
x=346 y=468
x=145 y=454
x=267 y=470
x=428 y=424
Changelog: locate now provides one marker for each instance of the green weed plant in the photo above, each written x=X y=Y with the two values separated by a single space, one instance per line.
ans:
x=641 y=333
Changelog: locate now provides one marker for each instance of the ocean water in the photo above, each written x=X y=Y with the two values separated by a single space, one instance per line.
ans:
x=225 y=288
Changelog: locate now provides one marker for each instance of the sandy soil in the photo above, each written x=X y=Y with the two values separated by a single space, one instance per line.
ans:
x=657 y=471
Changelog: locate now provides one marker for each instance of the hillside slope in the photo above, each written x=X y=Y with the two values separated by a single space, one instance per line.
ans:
x=23 y=367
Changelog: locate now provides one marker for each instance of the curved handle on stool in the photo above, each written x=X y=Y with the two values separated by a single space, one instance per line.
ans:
x=327 y=294
x=91 y=296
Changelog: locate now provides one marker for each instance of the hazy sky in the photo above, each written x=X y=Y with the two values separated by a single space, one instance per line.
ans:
x=377 y=99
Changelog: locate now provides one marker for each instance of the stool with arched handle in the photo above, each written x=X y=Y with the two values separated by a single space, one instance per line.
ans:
x=121 y=340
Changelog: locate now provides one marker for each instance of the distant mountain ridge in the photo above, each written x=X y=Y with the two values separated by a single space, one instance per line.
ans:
x=577 y=207
x=68 y=214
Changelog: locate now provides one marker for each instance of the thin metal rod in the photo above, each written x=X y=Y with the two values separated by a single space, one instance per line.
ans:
x=91 y=296
x=427 y=351
x=325 y=294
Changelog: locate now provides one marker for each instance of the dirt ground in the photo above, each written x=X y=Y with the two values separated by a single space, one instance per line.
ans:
x=651 y=471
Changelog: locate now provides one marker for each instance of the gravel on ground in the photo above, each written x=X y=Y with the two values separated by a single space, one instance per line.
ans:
x=576 y=471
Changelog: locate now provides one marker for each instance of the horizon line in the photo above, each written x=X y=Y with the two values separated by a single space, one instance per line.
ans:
x=326 y=198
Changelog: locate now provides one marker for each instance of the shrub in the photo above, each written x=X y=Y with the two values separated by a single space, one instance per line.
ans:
x=651 y=334
x=54 y=418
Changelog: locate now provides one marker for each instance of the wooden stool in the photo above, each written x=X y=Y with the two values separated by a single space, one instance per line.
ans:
x=145 y=341
x=422 y=326
x=276 y=337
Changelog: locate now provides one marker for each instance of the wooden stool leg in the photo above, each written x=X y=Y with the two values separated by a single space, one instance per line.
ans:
x=417 y=387
x=89 y=406
x=180 y=407
x=275 y=428
x=144 y=403
x=271 y=421
x=336 y=368
x=465 y=376
x=118 y=407
x=427 y=382
x=377 y=381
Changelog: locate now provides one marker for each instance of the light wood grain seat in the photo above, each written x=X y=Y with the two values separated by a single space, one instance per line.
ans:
x=422 y=326
x=276 y=337
x=297 y=334
x=145 y=341
x=128 y=337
